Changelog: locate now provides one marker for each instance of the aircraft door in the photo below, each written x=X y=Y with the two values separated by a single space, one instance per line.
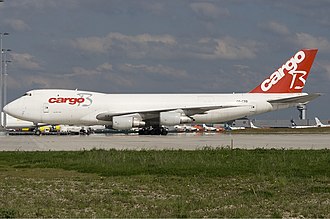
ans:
x=46 y=108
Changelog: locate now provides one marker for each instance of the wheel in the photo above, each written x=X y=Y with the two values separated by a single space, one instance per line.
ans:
x=164 y=131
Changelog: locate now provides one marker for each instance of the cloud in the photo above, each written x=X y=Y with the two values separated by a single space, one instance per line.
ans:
x=167 y=47
x=16 y=24
x=309 y=41
x=40 y=4
x=133 y=46
x=226 y=48
x=325 y=67
x=159 y=70
x=92 y=44
x=25 y=61
x=207 y=10
x=276 y=28
x=80 y=72
x=104 y=67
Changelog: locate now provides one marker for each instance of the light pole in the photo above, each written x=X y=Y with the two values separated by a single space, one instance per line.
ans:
x=1 y=76
x=5 y=76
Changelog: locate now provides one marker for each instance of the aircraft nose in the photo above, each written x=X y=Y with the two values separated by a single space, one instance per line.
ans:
x=6 y=108
x=11 y=110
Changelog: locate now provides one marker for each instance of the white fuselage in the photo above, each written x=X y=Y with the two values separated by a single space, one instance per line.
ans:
x=74 y=107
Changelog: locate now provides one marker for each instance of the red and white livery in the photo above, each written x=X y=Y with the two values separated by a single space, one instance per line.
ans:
x=282 y=89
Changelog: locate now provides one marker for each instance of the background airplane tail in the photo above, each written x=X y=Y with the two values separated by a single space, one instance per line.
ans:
x=318 y=122
x=293 y=124
x=291 y=76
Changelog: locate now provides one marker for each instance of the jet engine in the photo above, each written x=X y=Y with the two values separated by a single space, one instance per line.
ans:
x=173 y=118
x=126 y=122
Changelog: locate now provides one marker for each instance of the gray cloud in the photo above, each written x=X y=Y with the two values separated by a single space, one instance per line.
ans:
x=310 y=41
x=134 y=46
x=168 y=47
x=207 y=10
x=16 y=24
x=163 y=71
x=275 y=27
x=25 y=61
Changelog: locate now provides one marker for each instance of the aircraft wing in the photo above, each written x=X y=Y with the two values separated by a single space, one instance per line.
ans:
x=299 y=99
x=150 y=114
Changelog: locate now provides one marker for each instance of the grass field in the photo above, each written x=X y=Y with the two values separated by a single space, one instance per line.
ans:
x=202 y=183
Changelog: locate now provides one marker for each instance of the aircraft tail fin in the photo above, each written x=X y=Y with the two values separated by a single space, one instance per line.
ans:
x=293 y=123
x=318 y=122
x=291 y=76
x=252 y=125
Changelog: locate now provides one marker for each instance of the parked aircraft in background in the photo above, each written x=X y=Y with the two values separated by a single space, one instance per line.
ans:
x=320 y=124
x=295 y=126
x=282 y=89
x=231 y=128
x=211 y=129
x=253 y=126
x=185 y=128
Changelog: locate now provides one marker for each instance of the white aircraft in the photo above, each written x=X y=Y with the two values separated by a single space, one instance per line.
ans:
x=231 y=128
x=253 y=126
x=282 y=89
x=320 y=124
x=210 y=129
x=185 y=128
x=295 y=126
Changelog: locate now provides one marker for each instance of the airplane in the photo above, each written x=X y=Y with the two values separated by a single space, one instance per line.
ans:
x=210 y=129
x=185 y=128
x=320 y=124
x=253 y=126
x=295 y=126
x=152 y=112
x=231 y=128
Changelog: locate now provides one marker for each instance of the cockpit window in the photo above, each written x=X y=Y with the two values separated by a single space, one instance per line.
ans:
x=27 y=94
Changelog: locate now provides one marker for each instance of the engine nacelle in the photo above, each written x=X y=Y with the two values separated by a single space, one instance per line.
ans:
x=126 y=122
x=173 y=118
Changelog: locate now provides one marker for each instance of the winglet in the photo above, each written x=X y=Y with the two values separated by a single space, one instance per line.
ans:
x=291 y=76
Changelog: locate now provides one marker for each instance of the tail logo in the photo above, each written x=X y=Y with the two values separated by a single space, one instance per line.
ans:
x=291 y=68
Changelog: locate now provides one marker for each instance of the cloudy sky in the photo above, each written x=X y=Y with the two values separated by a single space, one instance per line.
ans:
x=157 y=46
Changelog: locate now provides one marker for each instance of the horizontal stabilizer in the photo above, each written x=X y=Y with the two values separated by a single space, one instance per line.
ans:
x=299 y=99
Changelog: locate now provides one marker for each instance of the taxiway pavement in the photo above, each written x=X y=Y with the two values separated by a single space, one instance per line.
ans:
x=171 y=141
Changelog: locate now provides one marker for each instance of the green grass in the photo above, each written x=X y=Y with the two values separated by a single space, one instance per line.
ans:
x=206 y=162
x=169 y=183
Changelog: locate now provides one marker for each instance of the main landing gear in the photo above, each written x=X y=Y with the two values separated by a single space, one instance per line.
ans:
x=153 y=131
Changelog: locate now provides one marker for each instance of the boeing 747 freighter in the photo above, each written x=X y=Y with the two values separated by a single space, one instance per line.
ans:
x=282 y=89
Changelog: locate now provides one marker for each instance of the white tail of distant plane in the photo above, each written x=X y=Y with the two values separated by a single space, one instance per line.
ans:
x=281 y=90
x=253 y=126
x=319 y=123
